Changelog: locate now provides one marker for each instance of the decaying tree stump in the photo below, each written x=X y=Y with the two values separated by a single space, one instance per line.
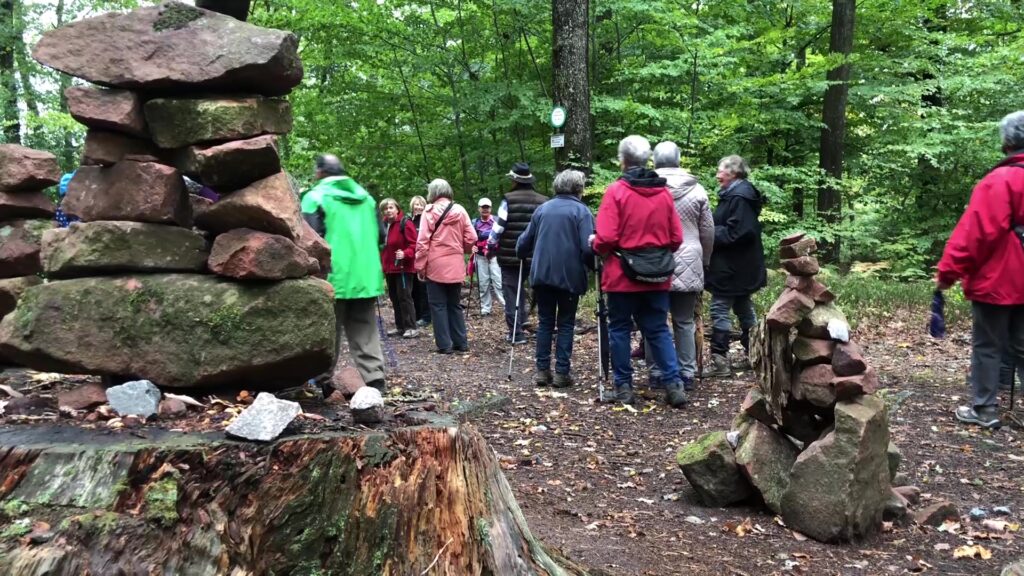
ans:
x=426 y=500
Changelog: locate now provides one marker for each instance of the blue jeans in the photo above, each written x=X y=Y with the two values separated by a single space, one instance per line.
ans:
x=683 y=328
x=446 y=312
x=555 y=306
x=650 y=312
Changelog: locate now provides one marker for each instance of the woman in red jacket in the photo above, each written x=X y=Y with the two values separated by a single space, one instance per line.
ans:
x=397 y=258
x=986 y=254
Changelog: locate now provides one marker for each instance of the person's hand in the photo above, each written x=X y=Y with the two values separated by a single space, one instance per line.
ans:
x=590 y=240
x=942 y=284
x=399 y=255
x=475 y=249
x=421 y=276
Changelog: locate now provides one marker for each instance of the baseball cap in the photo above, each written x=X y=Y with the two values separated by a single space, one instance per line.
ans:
x=484 y=202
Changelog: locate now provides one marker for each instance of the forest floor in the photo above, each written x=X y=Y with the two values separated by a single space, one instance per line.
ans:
x=600 y=482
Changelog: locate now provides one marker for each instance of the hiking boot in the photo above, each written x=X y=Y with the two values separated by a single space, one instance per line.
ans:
x=393 y=332
x=542 y=378
x=688 y=384
x=411 y=333
x=624 y=394
x=674 y=395
x=461 y=349
x=563 y=380
x=519 y=339
x=719 y=367
x=985 y=416
x=423 y=323
x=654 y=382
x=379 y=384
x=444 y=351
x=743 y=364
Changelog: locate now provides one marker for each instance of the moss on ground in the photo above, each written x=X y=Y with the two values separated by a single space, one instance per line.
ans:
x=162 y=501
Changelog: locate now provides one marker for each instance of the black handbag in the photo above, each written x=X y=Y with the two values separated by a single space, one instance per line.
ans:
x=650 y=265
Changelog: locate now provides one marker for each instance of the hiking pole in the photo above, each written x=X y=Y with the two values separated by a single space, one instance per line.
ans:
x=515 y=321
x=602 y=329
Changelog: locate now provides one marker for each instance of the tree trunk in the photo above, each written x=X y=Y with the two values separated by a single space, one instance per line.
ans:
x=8 y=80
x=833 y=134
x=426 y=500
x=570 y=20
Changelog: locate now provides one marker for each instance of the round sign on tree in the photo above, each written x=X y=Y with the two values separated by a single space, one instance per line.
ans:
x=557 y=117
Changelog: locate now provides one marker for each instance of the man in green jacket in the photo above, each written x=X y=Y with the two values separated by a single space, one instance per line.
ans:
x=345 y=214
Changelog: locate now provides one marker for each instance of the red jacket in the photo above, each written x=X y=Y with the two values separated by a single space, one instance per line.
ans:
x=983 y=252
x=399 y=239
x=636 y=212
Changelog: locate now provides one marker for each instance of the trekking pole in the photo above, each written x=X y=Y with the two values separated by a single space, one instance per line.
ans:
x=515 y=321
x=601 y=320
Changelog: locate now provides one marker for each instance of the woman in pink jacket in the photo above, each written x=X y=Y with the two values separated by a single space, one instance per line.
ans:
x=446 y=235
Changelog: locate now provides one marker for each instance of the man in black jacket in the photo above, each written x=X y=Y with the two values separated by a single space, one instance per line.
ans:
x=517 y=207
x=737 y=267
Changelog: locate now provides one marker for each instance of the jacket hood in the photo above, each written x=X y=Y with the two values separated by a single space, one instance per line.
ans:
x=745 y=190
x=679 y=181
x=643 y=181
x=344 y=188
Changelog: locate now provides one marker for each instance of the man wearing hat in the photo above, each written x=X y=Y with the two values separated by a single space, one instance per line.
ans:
x=514 y=215
x=487 y=269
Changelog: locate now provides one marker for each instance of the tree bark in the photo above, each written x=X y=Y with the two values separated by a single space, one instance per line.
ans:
x=833 y=134
x=8 y=71
x=426 y=500
x=570 y=20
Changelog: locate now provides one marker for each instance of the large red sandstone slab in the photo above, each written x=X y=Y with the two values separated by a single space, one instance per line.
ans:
x=105 y=247
x=107 y=109
x=267 y=205
x=11 y=290
x=103 y=148
x=315 y=246
x=174 y=48
x=19 y=246
x=250 y=255
x=177 y=122
x=232 y=165
x=136 y=191
x=25 y=169
x=25 y=205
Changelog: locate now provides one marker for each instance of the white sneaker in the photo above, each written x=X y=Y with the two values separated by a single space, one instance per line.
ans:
x=411 y=333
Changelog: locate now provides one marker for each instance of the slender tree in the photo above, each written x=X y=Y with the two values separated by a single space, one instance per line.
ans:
x=833 y=133
x=569 y=47
x=8 y=71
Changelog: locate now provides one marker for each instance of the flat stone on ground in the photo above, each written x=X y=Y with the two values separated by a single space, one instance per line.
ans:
x=936 y=514
x=105 y=247
x=114 y=193
x=107 y=109
x=177 y=122
x=83 y=397
x=174 y=48
x=264 y=419
x=26 y=169
x=139 y=397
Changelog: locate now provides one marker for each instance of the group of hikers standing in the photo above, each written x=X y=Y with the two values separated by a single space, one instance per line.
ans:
x=654 y=242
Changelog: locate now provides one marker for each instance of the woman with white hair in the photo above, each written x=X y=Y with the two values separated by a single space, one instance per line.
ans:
x=446 y=234
x=986 y=254
x=737 y=265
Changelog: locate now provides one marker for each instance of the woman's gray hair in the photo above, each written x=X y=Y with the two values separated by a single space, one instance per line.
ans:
x=634 y=151
x=439 y=188
x=666 y=155
x=735 y=165
x=1011 y=130
x=569 y=182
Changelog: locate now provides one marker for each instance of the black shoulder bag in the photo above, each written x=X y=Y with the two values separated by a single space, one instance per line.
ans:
x=649 y=265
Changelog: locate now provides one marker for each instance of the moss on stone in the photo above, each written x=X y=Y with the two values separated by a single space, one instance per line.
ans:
x=697 y=449
x=16 y=529
x=162 y=501
x=94 y=523
x=175 y=16
x=14 y=507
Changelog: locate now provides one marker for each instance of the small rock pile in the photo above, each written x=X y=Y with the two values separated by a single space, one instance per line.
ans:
x=25 y=213
x=140 y=291
x=811 y=439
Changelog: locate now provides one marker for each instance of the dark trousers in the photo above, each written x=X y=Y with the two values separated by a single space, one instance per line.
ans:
x=721 y=322
x=419 y=299
x=400 y=293
x=448 y=316
x=649 y=310
x=509 y=285
x=555 y=306
x=997 y=330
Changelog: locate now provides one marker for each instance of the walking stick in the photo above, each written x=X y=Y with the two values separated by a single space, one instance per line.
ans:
x=603 y=354
x=515 y=321
x=698 y=334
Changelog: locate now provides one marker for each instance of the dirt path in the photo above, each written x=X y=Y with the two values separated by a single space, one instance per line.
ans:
x=601 y=483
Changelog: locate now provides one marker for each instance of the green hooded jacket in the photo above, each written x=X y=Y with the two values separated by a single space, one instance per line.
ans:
x=345 y=214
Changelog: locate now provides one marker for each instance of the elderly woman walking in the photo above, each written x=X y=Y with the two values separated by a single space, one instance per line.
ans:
x=446 y=235
x=694 y=210
x=737 y=266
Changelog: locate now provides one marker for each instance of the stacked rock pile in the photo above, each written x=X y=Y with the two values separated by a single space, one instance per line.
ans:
x=140 y=291
x=811 y=439
x=25 y=213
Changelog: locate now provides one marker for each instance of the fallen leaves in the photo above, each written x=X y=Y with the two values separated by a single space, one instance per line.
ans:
x=975 y=551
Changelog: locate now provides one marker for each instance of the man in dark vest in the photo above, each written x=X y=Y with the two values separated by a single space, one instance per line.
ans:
x=514 y=215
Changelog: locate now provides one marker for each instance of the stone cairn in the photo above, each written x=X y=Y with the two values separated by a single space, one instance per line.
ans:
x=811 y=439
x=25 y=213
x=156 y=283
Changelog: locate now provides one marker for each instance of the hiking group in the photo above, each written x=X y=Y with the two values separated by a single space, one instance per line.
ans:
x=654 y=244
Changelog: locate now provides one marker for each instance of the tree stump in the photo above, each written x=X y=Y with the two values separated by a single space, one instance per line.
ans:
x=424 y=500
